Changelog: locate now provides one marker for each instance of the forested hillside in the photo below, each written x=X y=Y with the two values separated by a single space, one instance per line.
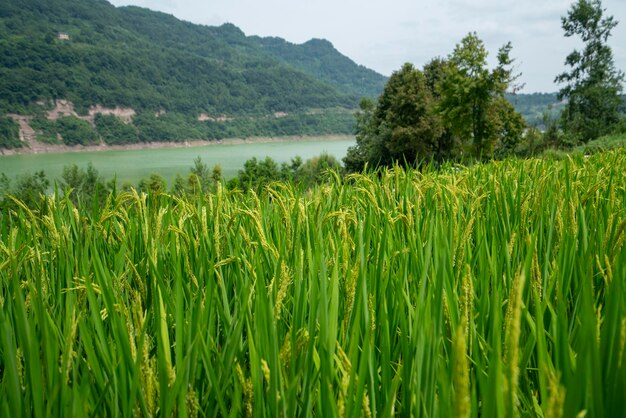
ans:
x=535 y=107
x=89 y=52
x=148 y=60
x=318 y=57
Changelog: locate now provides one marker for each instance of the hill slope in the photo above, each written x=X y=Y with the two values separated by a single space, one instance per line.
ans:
x=89 y=52
x=319 y=58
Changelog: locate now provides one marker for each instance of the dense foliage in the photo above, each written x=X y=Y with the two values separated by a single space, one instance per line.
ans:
x=75 y=131
x=150 y=61
x=86 y=187
x=9 y=133
x=451 y=110
x=258 y=174
x=113 y=131
x=178 y=127
x=318 y=57
x=537 y=108
x=592 y=83
x=495 y=291
x=473 y=104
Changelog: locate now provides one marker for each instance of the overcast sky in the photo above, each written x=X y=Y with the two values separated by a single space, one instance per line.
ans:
x=383 y=35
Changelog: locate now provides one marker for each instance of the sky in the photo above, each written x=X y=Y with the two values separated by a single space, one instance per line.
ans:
x=383 y=35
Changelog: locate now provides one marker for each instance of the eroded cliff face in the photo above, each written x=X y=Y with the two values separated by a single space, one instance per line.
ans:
x=66 y=108
x=62 y=108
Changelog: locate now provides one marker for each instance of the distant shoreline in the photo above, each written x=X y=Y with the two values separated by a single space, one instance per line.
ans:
x=43 y=148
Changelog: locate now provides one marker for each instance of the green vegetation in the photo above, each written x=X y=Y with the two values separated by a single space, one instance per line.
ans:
x=457 y=109
x=472 y=104
x=86 y=187
x=319 y=58
x=180 y=127
x=9 y=133
x=45 y=130
x=536 y=107
x=453 y=109
x=150 y=61
x=258 y=174
x=493 y=290
x=593 y=84
x=75 y=131
x=605 y=143
x=83 y=186
x=28 y=189
x=113 y=130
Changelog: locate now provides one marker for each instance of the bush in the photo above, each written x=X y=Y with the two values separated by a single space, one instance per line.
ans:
x=75 y=131
x=114 y=131
x=45 y=130
x=9 y=133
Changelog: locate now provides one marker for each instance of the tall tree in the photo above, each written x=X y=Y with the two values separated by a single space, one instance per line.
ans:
x=471 y=95
x=403 y=126
x=593 y=84
x=409 y=124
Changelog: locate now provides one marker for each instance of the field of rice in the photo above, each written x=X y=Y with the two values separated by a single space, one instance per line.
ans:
x=492 y=291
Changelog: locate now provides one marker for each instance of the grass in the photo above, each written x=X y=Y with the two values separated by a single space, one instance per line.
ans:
x=493 y=291
x=604 y=143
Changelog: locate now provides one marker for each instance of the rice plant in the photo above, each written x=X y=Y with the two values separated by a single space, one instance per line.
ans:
x=494 y=291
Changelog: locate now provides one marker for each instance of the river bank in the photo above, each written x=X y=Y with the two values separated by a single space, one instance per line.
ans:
x=43 y=148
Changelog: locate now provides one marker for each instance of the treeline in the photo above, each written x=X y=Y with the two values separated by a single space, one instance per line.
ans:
x=147 y=78
x=85 y=186
x=451 y=109
x=456 y=109
x=175 y=127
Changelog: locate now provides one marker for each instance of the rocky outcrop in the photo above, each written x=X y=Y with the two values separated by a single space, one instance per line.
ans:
x=126 y=114
x=62 y=108
x=66 y=108
x=28 y=136
x=206 y=118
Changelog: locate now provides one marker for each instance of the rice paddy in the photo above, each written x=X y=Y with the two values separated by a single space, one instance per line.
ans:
x=492 y=291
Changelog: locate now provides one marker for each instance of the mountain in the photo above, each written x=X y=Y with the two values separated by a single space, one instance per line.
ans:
x=319 y=58
x=89 y=53
x=537 y=108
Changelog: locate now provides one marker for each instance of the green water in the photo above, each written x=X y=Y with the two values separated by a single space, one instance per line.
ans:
x=133 y=165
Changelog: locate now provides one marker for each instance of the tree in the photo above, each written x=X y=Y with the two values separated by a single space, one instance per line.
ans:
x=28 y=188
x=409 y=123
x=180 y=186
x=256 y=174
x=217 y=174
x=75 y=131
x=153 y=185
x=471 y=104
x=403 y=127
x=431 y=115
x=9 y=133
x=83 y=185
x=316 y=169
x=593 y=84
x=199 y=177
x=358 y=155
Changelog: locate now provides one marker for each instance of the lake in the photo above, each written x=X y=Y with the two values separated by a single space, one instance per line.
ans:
x=132 y=165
